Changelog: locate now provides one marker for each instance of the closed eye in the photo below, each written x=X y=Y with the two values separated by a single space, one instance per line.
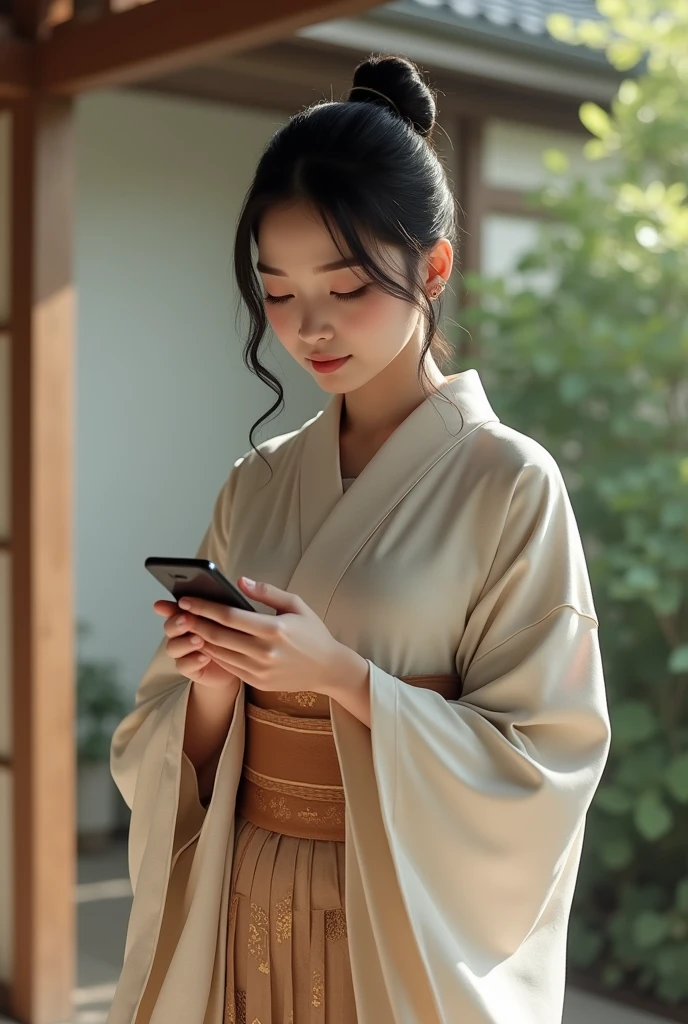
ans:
x=342 y=296
x=351 y=295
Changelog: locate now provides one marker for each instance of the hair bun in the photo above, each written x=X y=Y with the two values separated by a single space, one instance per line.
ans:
x=398 y=80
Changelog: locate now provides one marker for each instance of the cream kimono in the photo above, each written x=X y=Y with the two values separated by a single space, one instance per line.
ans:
x=455 y=550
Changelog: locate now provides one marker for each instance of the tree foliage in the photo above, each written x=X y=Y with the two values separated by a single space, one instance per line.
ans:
x=595 y=366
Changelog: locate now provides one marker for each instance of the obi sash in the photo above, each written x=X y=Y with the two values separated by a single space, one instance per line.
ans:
x=291 y=781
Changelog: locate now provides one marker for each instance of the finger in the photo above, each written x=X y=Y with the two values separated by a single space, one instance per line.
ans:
x=229 y=639
x=191 y=664
x=274 y=597
x=166 y=608
x=180 y=646
x=177 y=625
x=232 y=661
x=233 y=618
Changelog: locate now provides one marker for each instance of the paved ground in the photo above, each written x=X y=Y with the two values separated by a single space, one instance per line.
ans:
x=103 y=903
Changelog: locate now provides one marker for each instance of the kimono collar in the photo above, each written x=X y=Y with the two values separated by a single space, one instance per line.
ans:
x=336 y=523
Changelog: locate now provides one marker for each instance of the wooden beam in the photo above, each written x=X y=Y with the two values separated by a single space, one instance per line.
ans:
x=513 y=203
x=472 y=208
x=29 y=17
x=4 y=997
x=42 y=360
x=165 y=35
x=17 y=68
x=470 y=192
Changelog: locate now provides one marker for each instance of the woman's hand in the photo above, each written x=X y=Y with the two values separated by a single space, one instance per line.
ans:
x=187 y=650
x=290 y=651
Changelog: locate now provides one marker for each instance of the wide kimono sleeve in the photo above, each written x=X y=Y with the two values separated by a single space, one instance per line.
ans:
x=150 y=737
x=484 y=797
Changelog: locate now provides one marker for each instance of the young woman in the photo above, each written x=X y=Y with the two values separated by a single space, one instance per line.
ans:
x=365 y=802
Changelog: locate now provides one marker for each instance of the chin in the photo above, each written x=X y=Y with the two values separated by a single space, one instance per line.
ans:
x=332 y=387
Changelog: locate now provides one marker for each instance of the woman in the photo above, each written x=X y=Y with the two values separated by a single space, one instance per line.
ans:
x=367 y=801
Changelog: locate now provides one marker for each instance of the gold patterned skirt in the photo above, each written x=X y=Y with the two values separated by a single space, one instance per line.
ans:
x=287 y=948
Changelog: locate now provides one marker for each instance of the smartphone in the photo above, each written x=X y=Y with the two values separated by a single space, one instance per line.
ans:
x=196 y=577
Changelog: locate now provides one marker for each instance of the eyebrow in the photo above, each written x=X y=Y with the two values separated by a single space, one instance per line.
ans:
x=325 y=269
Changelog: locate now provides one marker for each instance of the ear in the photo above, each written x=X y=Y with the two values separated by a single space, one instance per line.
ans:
x=440 y=261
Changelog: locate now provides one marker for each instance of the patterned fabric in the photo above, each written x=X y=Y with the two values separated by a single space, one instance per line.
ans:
x=287 y=943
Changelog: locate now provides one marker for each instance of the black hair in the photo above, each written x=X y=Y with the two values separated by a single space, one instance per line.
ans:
x=366 y=165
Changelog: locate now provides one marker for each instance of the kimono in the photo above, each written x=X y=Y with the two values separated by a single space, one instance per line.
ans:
x=455 y=550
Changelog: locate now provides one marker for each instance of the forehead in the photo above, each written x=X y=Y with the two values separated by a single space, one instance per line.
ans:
x=294 y=236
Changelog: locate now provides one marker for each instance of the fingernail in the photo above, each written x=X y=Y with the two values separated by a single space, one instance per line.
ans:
x=248 y=582
x=185 y=603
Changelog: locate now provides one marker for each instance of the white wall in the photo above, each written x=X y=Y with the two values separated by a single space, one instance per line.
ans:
x=512 y=159
x=164 y=401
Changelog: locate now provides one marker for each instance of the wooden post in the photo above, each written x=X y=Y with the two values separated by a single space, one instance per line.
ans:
x=42 y=374
x=471 y=197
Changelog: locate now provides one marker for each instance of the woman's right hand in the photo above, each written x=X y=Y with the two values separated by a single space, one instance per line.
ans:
x=187 y=650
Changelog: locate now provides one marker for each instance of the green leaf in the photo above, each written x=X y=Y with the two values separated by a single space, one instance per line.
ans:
x=613 y=8
x=682 y=895
x=594 y=34
x=633 y=721
x=613 y=800
x=594 y=149
x=676 y=777
x=671 y=961
x=572 y=387
x=643 y=766
x=612 y=976
x=678 y=660
x=595 y=119
x=561 y=27
x=642 y=577
x=652 y=817
x=650 y=928
x=556 y=161
x=616 y=853
x=624 y=54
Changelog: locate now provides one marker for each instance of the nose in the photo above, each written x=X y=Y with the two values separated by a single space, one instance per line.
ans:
x=314 y=329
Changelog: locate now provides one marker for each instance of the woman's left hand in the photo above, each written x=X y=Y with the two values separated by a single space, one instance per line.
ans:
x=290 y=651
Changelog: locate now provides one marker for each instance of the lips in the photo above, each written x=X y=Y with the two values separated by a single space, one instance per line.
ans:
x=328 y=365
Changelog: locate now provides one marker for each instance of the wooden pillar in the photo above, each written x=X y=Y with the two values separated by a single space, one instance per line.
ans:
x=471 y=197
x=40 y=549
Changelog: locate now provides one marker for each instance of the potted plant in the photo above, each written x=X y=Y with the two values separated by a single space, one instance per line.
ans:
x=101 y=703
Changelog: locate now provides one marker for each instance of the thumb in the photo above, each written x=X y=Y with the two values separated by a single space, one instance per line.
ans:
x=266 y=593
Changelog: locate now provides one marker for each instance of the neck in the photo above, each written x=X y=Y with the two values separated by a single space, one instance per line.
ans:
x=377 y=408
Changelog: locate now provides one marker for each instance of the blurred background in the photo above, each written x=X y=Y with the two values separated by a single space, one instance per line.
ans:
x=129 y=133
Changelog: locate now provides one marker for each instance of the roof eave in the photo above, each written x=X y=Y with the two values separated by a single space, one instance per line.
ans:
x=504 y=38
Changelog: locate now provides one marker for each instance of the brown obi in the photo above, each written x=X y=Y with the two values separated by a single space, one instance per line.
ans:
x=291 y=781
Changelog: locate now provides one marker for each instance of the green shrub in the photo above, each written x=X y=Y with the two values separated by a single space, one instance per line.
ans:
x=101 y=702
x=595 y=366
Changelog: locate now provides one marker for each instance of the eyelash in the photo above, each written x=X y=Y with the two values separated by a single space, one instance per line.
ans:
x=342 y=296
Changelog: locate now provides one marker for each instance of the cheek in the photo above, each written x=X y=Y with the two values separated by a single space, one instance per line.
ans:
x=384 y=315
x=281 y=320
x=369 y=313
